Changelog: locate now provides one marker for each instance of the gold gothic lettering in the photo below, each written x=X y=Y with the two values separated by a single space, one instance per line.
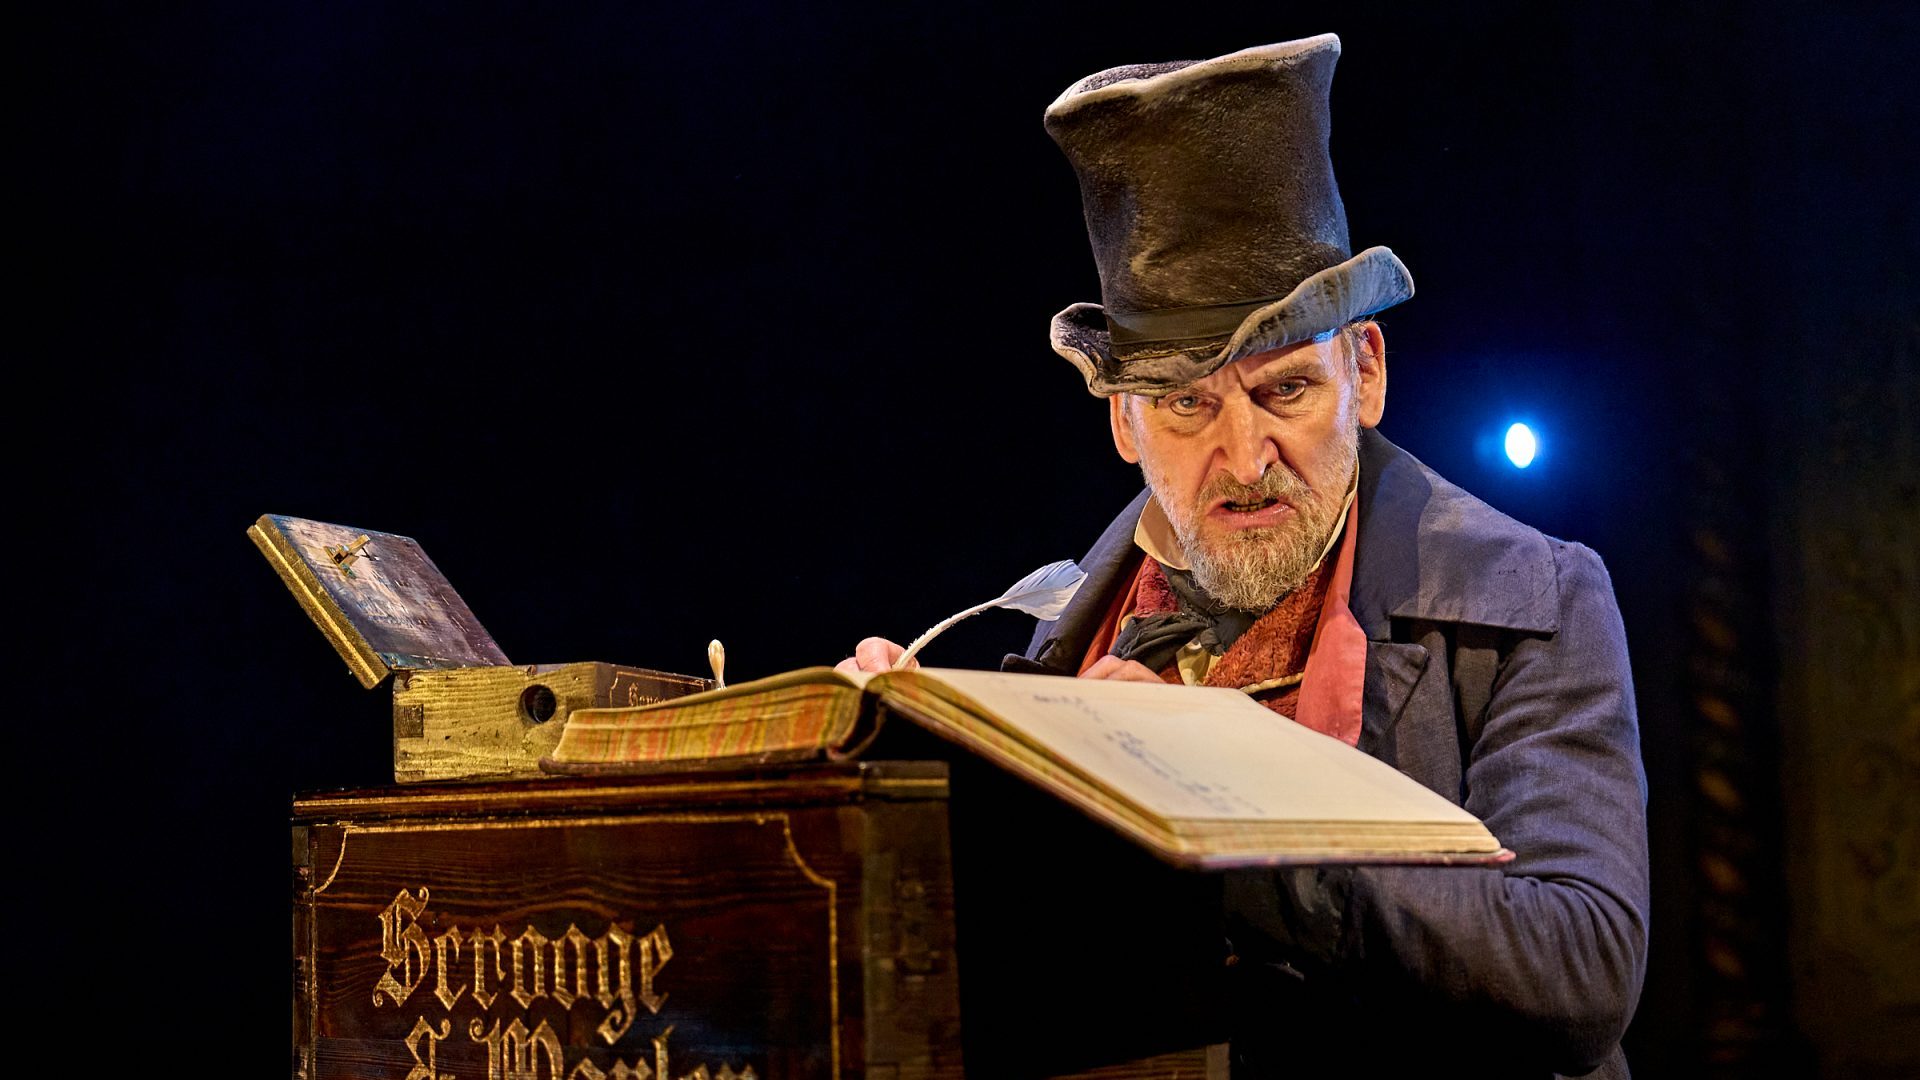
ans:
x=449 y=941
x=661 y=1068
x=577 y=943
x=654 y=953
x=514 y=1053
x=484 y=998
x=618 y=970
x=613 y=962
x=619 y=1018
x=424 y=1068
x=403 y=945
x=529 y=987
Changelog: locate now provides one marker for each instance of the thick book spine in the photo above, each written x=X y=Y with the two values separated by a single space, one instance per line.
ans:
x=791 y=724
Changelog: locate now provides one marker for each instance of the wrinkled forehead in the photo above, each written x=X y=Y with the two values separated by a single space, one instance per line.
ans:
x=1317 y=355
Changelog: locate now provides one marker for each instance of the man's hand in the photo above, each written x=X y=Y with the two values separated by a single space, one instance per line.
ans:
x=1112 y=667
x=874 y=654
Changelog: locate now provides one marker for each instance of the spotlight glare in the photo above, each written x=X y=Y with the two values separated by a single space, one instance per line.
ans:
x=1521 y=445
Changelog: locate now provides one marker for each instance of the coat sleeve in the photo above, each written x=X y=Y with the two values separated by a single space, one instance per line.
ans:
x=1542 y=957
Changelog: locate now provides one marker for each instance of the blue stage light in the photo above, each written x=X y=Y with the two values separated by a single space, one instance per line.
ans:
x=1521 y=445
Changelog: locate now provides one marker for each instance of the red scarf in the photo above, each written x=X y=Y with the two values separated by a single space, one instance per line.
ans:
x=1311 y=633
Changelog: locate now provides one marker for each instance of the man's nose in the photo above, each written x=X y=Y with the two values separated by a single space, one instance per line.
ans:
x=1245 y=450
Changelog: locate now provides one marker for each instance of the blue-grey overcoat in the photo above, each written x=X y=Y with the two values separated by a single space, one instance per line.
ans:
x=1497 y=676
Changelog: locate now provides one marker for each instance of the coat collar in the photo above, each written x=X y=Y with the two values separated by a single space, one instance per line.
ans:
x=1427 y=551
x=1430 y=551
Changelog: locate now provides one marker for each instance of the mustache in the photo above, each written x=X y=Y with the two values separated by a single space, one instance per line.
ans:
x=1278 y=482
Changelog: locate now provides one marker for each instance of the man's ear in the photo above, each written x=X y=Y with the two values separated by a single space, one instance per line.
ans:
x=1122 y=429
x=1371 y=393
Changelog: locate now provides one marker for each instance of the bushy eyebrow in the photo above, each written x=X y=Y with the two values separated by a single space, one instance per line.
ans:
x=1296 y=370
x=1312 y=366
x=1299 y=369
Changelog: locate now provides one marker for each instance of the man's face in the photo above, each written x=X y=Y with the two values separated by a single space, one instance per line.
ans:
x=1252 y=463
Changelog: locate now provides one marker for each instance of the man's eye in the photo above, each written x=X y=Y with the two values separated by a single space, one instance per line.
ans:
x=1183 y=404
x=1287 y=389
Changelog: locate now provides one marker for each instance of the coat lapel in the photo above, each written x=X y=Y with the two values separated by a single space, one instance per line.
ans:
x=1429 y=551
x=1393 y=670
x=1429 y=555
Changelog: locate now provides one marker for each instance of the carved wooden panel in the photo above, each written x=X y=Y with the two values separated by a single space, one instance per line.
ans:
x=732 y=929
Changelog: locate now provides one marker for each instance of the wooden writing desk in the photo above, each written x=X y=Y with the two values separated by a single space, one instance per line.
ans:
x=775 y=925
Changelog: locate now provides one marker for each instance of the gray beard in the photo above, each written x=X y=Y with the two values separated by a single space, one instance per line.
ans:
x=1253 y=569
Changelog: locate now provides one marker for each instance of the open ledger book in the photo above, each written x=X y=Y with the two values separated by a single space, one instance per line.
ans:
x=1201 y=776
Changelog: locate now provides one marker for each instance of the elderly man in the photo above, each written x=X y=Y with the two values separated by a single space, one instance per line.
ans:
x=1285 y=548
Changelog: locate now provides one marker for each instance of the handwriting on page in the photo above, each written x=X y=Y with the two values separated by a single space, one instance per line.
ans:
x=1217 y=799
x=1199 y=752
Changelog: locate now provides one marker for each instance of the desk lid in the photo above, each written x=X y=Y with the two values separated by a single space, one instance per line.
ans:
x=377 y=597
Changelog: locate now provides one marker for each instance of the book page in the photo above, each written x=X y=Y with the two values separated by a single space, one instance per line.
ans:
x=1200 y=752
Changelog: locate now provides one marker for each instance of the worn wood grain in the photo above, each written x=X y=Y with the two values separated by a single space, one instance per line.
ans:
x=475 y=722
x=383 y=607
x=798 y=925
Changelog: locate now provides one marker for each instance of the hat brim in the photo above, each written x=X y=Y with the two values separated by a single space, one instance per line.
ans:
x=1371 y=281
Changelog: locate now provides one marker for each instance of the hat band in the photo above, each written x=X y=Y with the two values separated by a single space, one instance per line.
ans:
x=1181 y=324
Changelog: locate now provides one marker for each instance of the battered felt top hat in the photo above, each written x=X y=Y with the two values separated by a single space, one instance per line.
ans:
x=1214 y=217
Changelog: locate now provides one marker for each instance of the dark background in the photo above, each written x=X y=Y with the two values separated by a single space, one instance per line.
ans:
x=655 y=324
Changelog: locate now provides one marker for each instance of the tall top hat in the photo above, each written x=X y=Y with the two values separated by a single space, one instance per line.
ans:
x=1214 y=217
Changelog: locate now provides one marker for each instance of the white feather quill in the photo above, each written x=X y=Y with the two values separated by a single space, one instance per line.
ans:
x=1042 y=594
